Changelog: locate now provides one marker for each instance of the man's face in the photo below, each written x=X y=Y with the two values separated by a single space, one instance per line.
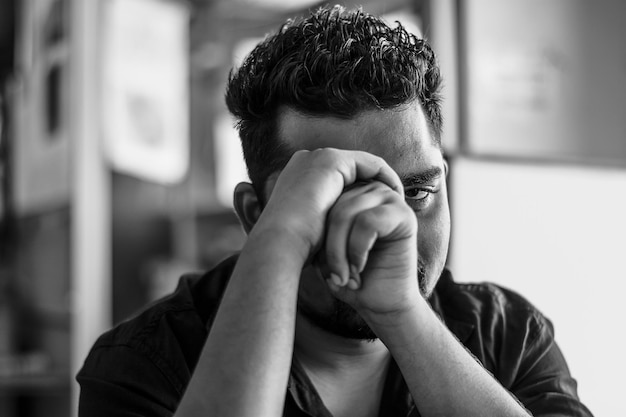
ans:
x=402 y=138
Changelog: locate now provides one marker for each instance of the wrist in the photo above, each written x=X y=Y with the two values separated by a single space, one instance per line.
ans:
x=414 y=315
x=280 y=240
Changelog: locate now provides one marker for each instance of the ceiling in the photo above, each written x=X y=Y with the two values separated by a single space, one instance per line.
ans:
x=243 y=10
x=8 y=17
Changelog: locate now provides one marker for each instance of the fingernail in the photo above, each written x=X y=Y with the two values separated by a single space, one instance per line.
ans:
x=355 y=275
x=336 y=279
x=353 y=284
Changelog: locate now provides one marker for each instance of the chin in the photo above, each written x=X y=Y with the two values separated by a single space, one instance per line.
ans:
x=339 y=318
x=341 y=321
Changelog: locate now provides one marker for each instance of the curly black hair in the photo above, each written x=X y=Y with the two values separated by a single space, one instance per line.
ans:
x=335 y=62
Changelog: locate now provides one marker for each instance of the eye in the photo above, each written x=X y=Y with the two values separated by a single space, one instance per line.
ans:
x=419 y=197
x=417 y=193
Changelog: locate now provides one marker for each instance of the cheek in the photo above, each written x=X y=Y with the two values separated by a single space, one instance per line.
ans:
x=313 y=290
x=434 y=235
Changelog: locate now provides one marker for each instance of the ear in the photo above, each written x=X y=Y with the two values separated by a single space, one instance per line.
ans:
x=246 y=205
x=446 y=167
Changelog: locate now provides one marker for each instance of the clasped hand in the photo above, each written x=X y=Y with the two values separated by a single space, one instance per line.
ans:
x=347 y=208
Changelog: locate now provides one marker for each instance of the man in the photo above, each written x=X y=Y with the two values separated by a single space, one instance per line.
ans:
x=339 y=303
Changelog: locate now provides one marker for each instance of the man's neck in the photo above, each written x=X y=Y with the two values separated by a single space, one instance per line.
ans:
x=348 y=374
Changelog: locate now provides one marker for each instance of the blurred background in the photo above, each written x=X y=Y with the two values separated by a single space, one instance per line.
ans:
x=118 y=159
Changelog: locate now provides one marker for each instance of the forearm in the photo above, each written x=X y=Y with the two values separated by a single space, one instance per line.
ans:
x=244 y=366
x=443 y=377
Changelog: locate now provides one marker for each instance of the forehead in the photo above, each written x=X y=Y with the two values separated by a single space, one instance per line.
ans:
x=401 y=136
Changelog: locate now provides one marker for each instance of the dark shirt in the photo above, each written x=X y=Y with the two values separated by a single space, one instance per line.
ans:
x=142 y=366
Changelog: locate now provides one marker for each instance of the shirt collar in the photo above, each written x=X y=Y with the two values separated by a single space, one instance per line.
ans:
x=461 y=329
x=396 y=399
x=303 y=392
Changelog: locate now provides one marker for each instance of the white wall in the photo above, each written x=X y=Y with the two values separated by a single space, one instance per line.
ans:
x=557 y=235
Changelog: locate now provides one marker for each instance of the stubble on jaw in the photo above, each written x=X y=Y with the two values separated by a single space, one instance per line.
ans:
x=343 y=320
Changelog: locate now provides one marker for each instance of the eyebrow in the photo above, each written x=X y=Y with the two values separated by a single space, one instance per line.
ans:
x=423 y=177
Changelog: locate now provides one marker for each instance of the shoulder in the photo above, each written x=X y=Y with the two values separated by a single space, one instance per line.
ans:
x=498 y=325
x=513 y=340
x=168 y=335
x=482 y=301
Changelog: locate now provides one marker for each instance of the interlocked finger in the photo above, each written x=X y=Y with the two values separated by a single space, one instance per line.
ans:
x=358 y=207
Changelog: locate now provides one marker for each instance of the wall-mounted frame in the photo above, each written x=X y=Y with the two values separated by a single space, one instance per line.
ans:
x=544 y=80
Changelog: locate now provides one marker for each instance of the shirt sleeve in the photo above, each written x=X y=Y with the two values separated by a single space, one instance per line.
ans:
x=543 y=382
x=119 y=381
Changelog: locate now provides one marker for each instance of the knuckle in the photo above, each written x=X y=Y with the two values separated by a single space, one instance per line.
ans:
x=394 y=196
x=339 y=214
x=300 y=153
x=381 y=187
x=325 y=153
x=325 y=157
x=357 y=256
x=298 y=157
x=366 y=220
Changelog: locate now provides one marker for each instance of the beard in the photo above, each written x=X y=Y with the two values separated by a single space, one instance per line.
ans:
x=344 y=321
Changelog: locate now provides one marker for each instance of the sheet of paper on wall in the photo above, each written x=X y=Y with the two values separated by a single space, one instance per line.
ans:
x=145 y=88
x=40 y=99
